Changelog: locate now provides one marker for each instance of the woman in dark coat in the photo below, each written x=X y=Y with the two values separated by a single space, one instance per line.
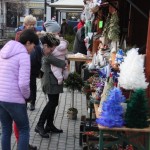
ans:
x=49 y=82
x=79 y=47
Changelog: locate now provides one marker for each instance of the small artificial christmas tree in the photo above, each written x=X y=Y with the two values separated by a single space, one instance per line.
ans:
x=73 y=82
x=136 y=113
x=112 y=111
x=132 y=71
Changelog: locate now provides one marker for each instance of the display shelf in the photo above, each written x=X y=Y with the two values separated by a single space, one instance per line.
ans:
x=124 y=138
x=87 y=125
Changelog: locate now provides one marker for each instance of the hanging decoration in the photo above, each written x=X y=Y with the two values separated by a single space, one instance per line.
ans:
x=106 y=27
x=114 y=29
x=111 y=30
x=108 y=85
x=119 y=56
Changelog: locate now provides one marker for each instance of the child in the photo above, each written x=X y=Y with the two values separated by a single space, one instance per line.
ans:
x=60 y=53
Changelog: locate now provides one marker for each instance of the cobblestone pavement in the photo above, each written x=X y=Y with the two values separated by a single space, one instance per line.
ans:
x=69 y=139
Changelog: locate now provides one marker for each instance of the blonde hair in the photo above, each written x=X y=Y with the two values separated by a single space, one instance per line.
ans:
x=28 y=19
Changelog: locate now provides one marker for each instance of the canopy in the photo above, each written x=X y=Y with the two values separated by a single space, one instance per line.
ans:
x=67 y=4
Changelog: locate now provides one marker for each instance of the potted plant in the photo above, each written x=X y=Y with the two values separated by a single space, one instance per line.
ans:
x=73 y=82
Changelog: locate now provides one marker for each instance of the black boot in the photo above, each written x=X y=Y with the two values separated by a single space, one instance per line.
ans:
x=41 y=131
x=53 y=129
x=32 y=107
x=31 y=147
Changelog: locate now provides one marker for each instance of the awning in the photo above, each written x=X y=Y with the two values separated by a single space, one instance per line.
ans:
x=67 y=4
x=69 y=9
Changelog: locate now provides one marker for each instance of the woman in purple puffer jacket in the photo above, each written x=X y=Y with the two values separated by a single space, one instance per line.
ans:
x=14 y=87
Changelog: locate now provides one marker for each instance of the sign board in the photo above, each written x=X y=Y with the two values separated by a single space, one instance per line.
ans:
x=21 y=19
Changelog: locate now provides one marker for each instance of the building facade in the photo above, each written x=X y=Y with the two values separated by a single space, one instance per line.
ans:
x=12 y=12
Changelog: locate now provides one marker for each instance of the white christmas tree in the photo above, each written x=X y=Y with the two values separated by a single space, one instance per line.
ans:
x=132 y=71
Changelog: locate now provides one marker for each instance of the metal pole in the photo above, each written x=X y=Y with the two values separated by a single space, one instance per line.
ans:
x=138 y=9
x=52 y=9
x=45 y=3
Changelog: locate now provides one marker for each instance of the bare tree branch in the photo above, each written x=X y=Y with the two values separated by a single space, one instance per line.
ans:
x=17 y=7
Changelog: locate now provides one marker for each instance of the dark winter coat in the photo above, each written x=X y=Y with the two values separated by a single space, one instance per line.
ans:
x=49 y=82
x=36 y=56
x=79 y=45
x=64 y=28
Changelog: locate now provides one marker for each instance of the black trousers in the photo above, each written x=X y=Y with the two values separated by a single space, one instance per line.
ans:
x=33 y=89
x=49 y=111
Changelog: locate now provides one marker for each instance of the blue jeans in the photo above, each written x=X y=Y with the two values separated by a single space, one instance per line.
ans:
x=10 y=112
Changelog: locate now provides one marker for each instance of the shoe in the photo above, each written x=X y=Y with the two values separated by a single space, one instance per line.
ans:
x=31 y=147
x=53 y=130
x=32 y=107
x=41 y=131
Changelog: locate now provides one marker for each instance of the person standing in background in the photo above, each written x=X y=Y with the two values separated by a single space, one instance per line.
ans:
x=79 y=47
x=64 y=28
x=15 y=66
x=36 y=55
x=81 y=22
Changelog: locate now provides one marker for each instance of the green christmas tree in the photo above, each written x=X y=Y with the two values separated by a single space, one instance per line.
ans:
x=114 y=29
x=74 y=82
x=137 y=110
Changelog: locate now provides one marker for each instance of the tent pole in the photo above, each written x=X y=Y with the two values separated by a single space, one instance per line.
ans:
x=137 y=8
x=45 y=3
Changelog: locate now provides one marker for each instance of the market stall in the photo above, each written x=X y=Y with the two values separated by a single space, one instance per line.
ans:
x=120 y=77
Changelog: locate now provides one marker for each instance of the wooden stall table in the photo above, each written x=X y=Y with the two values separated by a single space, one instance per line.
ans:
x=77 y=57
x=119 y=132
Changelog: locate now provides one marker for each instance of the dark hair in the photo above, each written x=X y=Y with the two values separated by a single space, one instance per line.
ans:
x=28 y=35
x=50 y=40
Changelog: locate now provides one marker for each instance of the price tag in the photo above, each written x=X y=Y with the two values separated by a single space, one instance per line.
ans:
x=100 y=24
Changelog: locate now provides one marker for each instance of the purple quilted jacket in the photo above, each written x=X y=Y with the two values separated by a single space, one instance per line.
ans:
x=14 y=73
